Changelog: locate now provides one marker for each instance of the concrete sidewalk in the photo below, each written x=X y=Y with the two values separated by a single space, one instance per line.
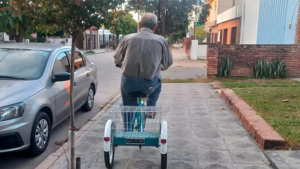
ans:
x=184 y=68
x=203 y=133
x=97 y=51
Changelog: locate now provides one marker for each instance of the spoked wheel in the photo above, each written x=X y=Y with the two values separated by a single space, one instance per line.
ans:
x=164 y=161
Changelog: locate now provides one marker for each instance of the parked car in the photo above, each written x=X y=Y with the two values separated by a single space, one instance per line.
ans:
x=34 y=92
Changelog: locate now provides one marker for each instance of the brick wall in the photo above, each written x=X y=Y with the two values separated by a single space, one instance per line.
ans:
x=240 y=55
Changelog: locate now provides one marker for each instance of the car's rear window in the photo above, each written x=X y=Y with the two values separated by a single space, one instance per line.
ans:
x=25 y=64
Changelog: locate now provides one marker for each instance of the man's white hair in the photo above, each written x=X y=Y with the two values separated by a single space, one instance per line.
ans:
x=149 y=20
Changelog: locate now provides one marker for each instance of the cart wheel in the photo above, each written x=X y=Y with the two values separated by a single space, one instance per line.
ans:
x=109 y=157
x=164 y=161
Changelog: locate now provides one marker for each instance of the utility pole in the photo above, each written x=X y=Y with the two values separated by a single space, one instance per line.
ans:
x=297 y=37
x=139 y=11
x=103 y=36
x=163 y=18
x=195 y=27
x=196 y=20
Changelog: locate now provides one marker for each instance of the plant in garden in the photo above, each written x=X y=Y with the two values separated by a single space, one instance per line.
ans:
x=278 y=69
x=72 y=16
x=265 y=69
x=225 y=68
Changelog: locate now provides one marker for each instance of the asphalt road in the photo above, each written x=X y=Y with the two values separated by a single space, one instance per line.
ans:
x=108 y=87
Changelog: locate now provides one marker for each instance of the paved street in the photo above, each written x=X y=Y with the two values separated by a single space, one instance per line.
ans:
x=108 y=87
x=203 y=133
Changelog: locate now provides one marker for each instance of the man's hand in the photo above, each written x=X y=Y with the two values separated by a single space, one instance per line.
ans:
x=119 y=66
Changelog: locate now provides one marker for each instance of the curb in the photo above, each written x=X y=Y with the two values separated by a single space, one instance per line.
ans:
x=106 y=51
x=217 y=86
x=52 y=158
x=277 y=162
x=262 y=132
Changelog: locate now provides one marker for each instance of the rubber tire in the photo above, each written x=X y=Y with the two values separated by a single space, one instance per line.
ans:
x=86 y=106
x=106 y=159
x=164 y=160
x=33 y=150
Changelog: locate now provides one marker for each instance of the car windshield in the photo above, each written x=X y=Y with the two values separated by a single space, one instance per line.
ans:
x=22 y=64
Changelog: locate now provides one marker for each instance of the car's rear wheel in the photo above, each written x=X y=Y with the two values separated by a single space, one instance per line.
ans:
x=88 y=105
x=40 y=134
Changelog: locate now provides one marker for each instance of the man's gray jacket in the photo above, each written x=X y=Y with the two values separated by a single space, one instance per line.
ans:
x=142 y=55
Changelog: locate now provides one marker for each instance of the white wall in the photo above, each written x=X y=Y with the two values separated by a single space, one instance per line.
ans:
x=232 y=13
x=4 y=36
x=57 y=41
x=202 y=51
x=249 y=22
x=224 y=5
x=194 y=50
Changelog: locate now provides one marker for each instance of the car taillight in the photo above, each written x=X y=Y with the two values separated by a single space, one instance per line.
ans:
x=163 y=141
x=106 y=139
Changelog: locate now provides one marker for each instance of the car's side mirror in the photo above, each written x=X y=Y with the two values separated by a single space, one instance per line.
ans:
x=59 y=77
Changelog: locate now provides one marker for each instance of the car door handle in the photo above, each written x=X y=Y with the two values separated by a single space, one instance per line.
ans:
x=75 y=83
x=87 y=75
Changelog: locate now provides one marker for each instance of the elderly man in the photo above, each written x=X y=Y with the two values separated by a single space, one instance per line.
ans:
x=142 y=56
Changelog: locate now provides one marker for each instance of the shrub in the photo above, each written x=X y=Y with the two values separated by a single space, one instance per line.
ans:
x=266 y=69
x=225 y=68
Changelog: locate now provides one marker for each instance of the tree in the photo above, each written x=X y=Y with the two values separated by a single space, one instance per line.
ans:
x=20 y=22
x=122 y=23
x=6 y=20
x=177 y=13
x=201 y=34
x=205 y=6
x=73 y=16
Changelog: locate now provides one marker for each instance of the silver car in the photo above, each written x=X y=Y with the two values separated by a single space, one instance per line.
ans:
x=34 y=92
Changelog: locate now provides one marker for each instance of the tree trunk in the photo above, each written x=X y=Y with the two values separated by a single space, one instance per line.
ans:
x=21 y=32
x=114 y=41
x=117 y=41
x=91 y=38
x=72 y=116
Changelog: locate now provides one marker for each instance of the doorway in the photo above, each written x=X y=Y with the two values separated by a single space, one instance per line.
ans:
x=225 y=37
x=233 y=35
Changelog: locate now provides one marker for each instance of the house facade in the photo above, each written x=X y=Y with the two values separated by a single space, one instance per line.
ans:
x=224 y=21
x=252 y=21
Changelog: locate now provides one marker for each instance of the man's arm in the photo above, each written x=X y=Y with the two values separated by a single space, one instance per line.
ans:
x=167 y=58
x=120 y=54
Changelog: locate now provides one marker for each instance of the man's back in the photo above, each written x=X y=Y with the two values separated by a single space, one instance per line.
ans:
x=142 y=54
